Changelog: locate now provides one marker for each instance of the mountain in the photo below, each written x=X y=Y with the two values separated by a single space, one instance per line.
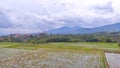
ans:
x=81 y=30
x=69 y=30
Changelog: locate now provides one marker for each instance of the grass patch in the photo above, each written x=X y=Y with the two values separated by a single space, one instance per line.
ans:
x=87 y=46
x=105 y=64
x=50 y=45
x=95 y=45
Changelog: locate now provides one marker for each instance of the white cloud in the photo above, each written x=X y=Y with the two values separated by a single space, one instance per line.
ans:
x=42 y=15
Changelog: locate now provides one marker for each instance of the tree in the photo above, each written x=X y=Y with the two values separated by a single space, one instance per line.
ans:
x=108 y=40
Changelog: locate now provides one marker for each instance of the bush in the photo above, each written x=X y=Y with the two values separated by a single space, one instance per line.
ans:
x=119 y=44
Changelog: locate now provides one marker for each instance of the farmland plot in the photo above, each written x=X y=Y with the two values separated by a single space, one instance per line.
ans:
x=113 y=60
x=18 y=58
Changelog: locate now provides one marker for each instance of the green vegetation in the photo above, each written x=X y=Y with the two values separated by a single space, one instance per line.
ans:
x=64 y=45
x=38 y=46
x=98 y=45
x=48 y=38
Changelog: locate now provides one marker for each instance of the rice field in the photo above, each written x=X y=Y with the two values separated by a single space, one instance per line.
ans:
x=113 y=60
x=59 y=55
x=42 y=58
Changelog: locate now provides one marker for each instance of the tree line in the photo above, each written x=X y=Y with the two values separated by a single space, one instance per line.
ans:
x=47 y=38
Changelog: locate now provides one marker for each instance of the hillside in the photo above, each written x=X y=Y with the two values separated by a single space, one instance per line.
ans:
x=81 y=30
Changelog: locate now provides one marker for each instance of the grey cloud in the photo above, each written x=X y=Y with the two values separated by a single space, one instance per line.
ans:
x=99 y=22
x=4 y=22
x=104 y=9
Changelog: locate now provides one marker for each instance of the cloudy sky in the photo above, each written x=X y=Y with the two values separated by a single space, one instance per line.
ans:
x=24 y=16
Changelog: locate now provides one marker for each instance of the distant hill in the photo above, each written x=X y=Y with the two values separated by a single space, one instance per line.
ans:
x=81 y=30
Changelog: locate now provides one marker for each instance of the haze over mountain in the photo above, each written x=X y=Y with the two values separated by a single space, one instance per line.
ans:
x=31 y=16
x=81 y=30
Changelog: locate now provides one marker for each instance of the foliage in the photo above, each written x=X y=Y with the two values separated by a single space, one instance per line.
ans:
x=41 y=39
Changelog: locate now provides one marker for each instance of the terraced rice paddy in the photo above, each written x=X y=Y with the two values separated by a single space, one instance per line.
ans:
x=18 y=58
x=113 y=60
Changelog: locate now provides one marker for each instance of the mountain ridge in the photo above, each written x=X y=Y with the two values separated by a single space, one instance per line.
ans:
x=81 y=30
